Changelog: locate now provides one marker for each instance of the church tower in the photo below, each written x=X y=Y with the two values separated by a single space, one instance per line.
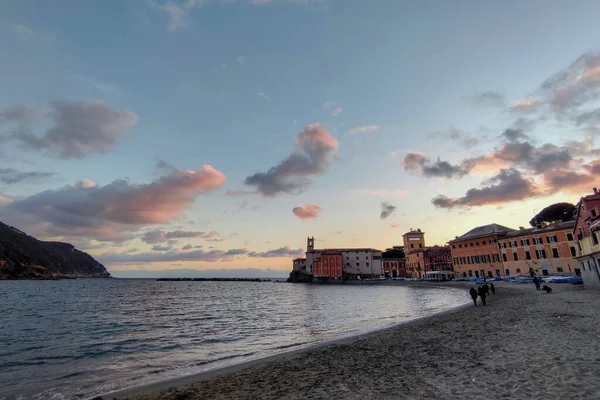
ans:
x=310 y=244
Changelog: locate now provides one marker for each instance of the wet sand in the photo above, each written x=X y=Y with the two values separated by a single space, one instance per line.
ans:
x=524 y=344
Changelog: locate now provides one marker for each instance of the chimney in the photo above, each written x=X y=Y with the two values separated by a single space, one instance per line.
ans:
x=521 y=228
x=595 y=190
x=419 y=230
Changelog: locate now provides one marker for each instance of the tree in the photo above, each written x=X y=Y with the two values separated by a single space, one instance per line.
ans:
x=396 y=252
x=555 y=212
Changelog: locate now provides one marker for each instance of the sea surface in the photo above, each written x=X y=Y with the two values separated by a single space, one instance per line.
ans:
x=74 y=339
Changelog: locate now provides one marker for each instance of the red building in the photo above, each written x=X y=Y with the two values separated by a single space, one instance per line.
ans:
x=437 y=261
x=328 y=265
x=394 y=267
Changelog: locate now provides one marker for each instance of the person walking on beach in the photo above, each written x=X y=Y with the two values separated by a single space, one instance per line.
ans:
x=492 y=287
x=536 y=282
x=486 y=287
x=482 y=293
x=474 y=295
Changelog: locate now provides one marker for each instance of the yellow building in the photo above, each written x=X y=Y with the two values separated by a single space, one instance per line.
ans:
x=587 y=231
x=414 y=243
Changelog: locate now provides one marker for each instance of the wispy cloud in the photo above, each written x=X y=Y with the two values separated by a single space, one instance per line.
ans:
x=177 y=13
x=387 y=209
x=26 y=33
x=488 y=99
x=337 y=112
x=264 y=96
x=363 y=129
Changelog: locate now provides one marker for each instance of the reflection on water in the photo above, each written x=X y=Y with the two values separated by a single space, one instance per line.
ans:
x=77 y=338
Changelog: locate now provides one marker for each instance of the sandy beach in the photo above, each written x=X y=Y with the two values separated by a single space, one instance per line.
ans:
x=524 y=344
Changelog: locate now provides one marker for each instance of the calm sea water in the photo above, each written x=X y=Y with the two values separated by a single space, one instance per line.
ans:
x=79 y=338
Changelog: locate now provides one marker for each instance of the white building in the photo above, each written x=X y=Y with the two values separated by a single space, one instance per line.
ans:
x=300 y=264
x=356 y=261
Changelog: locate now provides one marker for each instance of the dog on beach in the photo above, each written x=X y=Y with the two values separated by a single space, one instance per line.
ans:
x=546 y=289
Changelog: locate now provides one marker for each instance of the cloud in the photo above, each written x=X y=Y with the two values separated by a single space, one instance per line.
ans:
x=170 y=256
x=4 y=199
x=462 y=138
x=264 y=96
x=337 y=112
x=314 y=147
x=514 y=135
x=25 y=33
x=11 y=176
x=240 y=59
x=238 y=193
x=394 y=226
x=488 y=99
x=85 y=183
x=363 y=129
x=114 y=211
x=524 y=105
x=187 y=247
x=158 y=236
x=438 y=168
x=387 y=209
x=161 y=248
x=177 y=13
x=22 y=113
x=307 y=211
x=284 y=251
x=80 y=128
x=508 y=185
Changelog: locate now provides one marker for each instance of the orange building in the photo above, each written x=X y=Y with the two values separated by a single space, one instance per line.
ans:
x=328 y=264
x=414 y=242
x=477 y=252
x=547 y=249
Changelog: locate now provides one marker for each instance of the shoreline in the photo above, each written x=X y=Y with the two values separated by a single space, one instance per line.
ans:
x=524 y=344
x=207 y=375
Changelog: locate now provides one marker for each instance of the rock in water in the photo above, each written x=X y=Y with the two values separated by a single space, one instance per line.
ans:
x=25 y=257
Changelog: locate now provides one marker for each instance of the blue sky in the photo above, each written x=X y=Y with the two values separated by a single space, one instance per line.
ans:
x=231 y=84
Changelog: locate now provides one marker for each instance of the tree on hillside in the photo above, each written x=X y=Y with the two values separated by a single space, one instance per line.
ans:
x=396 y=252
x=555 y=212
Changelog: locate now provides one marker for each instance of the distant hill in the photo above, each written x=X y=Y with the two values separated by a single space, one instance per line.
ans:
x=25 y=257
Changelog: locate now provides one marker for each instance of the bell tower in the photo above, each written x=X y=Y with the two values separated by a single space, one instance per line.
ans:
x=310 y=244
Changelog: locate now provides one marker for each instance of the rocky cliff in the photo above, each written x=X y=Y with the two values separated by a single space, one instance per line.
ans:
x=25 y=257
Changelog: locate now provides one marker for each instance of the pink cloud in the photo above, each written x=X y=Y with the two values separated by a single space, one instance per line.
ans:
x=524 y=104
x=307 y=211
x=395 y=226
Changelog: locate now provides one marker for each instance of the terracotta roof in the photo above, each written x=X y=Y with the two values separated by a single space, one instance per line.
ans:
x=550 y=228
x=485 y=230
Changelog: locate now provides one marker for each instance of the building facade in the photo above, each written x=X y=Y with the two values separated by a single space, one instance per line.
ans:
x=364 y=262
x=299 y=264
x=394 y=267
x=477 y=252
x=437 y=261
x=547 y=249
x=587 y=233
x=328 y=265
x=414 y=242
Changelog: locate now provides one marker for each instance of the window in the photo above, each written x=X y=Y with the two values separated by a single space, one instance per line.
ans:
x=490 y=274
x=504 y=258
x=420 y=245
x=507 y=272
x=412 y=245
x=503 y=245
x=594 y=238
x=559 y=269
x=573 y=252
x=525 y=242
x=476 y=243
x=513 y=243
x=470 y=272
x=497 y=272
x=358 y=264
x=540 y=254
x=518 y=270
x=455 y=260
x=495 y=257
x=483 y=242
x=471 y=244
x=515 y=256
x=569 y=236
x=487 y=258
x=555 y=253
x=460 y=246
x=548 y=239
x=593 y=212
x=579 y=245
x=583 y=266
x=527 y=255
x=453 y=246
x=357 y=257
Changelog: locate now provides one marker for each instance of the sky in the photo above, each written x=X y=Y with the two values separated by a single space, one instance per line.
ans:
x=216 y=135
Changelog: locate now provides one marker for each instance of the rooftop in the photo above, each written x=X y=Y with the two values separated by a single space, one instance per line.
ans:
x=348 y=249
x=558 y=226
x=485 y=230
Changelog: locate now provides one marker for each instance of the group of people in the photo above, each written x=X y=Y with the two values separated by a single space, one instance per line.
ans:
x=482 y=291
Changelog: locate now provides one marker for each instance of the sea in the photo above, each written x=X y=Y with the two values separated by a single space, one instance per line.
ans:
x=75 y=339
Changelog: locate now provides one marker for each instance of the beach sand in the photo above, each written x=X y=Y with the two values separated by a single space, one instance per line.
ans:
x=523 y=345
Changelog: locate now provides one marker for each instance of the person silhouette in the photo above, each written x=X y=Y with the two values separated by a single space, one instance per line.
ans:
x=473 y=293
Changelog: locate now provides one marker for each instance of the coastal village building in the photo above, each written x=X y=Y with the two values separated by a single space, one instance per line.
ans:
x=414 y=241
x=548 y=249
x=328 y=264
x=587 y=232
x=364 y=262
x=437 y=262
x=477 y=253
x=394 y=264
x=299 y=264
